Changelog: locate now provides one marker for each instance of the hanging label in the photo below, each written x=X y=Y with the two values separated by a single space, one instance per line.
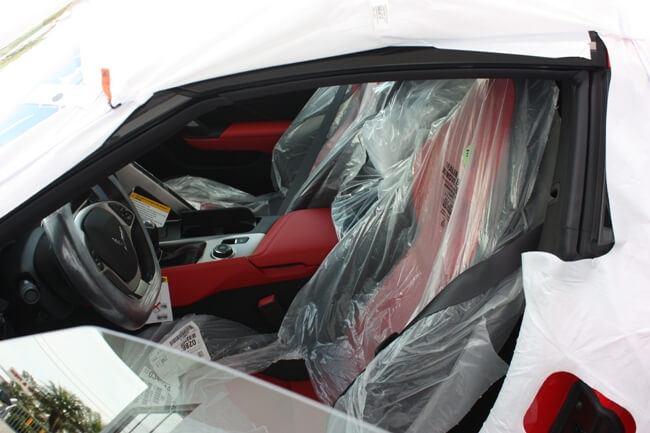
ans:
x=162 y=310
x=188 y=339
x=150 y=210
x=159 y=392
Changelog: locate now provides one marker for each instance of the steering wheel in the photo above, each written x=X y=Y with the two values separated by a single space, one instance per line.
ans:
x=106 y=252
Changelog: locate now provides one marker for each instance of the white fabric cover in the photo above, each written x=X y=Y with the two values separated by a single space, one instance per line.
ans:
x=592 y=317
x=150 y=45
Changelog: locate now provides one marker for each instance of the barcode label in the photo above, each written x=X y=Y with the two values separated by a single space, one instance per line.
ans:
x=450 y=184
x=159 y=392
x=188 y=339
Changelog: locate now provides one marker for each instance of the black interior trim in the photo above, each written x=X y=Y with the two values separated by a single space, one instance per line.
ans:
x=240 y=305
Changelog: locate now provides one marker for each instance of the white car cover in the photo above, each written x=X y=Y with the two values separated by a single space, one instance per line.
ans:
x=590 y=317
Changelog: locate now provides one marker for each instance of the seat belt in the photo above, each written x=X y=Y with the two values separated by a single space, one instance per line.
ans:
x=315 y=148
x=484 y=275
x=477 y=279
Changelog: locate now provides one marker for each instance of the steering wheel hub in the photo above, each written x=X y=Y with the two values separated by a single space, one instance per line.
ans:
x=108 y=239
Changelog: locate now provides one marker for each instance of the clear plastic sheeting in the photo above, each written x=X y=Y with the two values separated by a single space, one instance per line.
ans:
x=208 y=337
x=391 y=137
x=329 y=165
x=429 y=377
x=204 y=193
x=342 y=156
x=293 y=146
x=449 y=205
x=288 y=156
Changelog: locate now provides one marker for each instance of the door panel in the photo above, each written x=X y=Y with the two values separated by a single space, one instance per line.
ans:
x=231 y=144
x=243 y=136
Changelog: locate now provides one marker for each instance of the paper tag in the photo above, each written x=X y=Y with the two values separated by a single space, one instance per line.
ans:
x=150 y=210
x=379 y=12
x=162 y=310
x=159 y=392
x=188 y=339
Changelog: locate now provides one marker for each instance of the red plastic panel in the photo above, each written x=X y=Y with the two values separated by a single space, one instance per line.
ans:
x=545 y=407
x=243 y=136
x=293 y=249
x=302 y=387
x=304 y=236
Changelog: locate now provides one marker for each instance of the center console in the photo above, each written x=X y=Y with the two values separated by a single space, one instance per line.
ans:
x=214 y=234
x=204 y=252
x=274 y=249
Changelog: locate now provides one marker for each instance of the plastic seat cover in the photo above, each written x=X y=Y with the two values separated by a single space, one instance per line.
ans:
x=446 y=204
x=333 y=165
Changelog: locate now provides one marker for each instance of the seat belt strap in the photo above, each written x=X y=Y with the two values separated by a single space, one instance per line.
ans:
x=484 y=275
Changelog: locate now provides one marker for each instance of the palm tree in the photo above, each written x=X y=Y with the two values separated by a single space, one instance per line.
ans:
x=65 y=411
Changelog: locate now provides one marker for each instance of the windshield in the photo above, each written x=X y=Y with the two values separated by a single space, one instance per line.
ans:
x=92 y=380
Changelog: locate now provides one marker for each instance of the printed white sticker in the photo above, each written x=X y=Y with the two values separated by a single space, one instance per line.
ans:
x=150 y=210
x=379 y=11
x=162 y=310
x=188 y=339
x=159 y=392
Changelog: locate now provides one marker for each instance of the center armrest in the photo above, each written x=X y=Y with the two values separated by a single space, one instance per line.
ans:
x=300 y=237
x=292 y=249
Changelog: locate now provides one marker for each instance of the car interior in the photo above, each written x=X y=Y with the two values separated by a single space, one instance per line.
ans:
x=354 y=239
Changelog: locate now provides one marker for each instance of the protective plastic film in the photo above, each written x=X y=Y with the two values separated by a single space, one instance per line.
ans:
x=329 y=165
x=448 y=205
x=342 y=156
x=208 y=337
x=293 y=146
x=205 y=193
x=287 y=158
x=389 y=138
x=430 y=376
